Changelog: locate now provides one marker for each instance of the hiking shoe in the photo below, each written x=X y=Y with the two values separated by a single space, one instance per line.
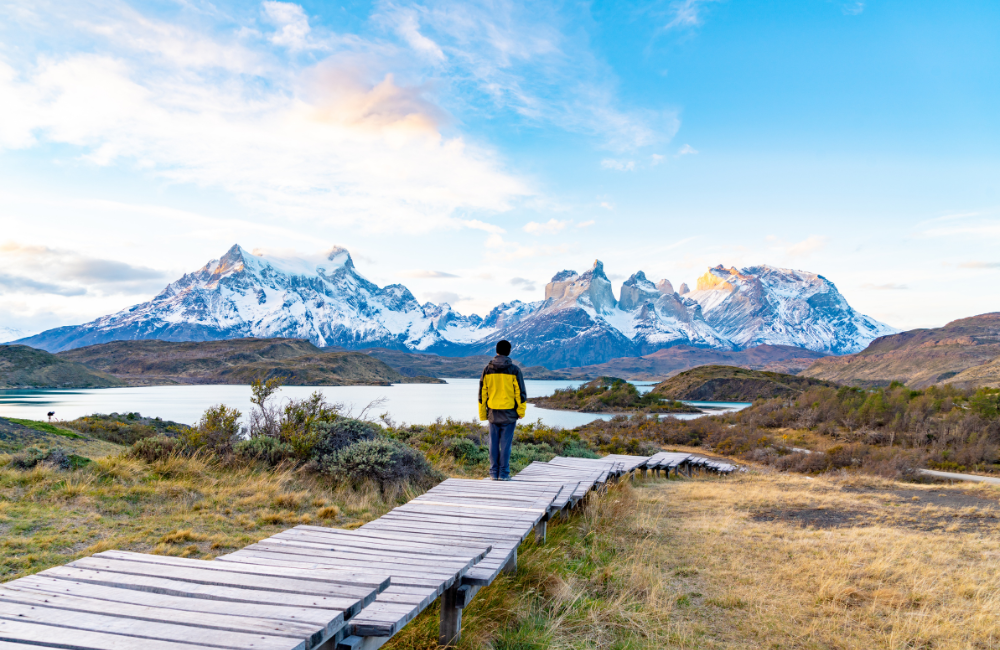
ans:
x=505 y=479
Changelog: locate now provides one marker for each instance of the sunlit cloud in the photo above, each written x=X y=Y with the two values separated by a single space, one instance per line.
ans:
x=618 y=165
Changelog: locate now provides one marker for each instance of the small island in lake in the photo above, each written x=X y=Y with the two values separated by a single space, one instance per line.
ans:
x=610 y=395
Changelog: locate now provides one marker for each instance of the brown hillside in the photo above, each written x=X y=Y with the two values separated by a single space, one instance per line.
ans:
x=25 y=367
x=731 y=384
x=237 y=361
x=964 y=352
x=670 y=361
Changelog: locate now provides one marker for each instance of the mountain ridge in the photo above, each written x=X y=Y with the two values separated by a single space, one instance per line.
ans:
x=579 y=322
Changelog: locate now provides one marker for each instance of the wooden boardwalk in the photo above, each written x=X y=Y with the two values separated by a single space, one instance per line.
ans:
x=309 y=587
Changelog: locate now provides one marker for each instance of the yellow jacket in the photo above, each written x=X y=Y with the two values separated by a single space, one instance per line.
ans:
x=501 y=392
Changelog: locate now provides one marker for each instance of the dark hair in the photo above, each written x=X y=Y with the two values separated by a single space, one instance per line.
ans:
x=503 y=347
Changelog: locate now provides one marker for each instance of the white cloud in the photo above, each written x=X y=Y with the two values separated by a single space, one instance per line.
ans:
x=686 y=150
x=587 y=224
x=655 y=159
x=497 y=246
x=853 y=8
x=686 y=13
x=891 y=286
x=449 y=297
x=618 y=165
x=292 y=23
x=428 y=274
x=550 y=227
x=806 y=246
x=523 y=283
x=408 y=27
x=322 y=142
x=476 y=224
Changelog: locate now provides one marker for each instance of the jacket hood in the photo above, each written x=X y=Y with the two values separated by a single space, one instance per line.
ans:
x=500 y=362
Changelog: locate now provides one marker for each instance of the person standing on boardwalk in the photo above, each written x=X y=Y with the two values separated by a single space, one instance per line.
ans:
x=502 y=402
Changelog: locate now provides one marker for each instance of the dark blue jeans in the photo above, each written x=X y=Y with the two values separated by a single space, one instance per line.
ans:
x=501 y=437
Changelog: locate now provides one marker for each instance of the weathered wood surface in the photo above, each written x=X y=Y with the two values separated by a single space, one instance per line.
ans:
x=310 y=587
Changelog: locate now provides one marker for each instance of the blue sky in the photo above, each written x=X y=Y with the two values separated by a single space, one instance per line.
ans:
x=471 y=150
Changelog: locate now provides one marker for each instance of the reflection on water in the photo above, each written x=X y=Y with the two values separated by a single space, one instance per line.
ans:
x=409 y=403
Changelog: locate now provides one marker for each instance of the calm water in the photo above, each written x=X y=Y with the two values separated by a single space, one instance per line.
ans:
x=409 y=403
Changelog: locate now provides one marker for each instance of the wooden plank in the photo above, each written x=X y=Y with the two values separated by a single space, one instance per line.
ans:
x=399 y=575
x=360 y=533
x=393 y=567
x=230 y=622
x=224 y=578
x=135 y=629
x=365 y=556
x=370 y=580
x=286 y=560
x=349 y=606
x=427 y=550
x=70 y=639
x=457 y=504
x=331 y=620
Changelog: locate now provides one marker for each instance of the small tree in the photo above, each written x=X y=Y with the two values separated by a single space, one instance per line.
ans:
x=219 y=429
x=265 y=420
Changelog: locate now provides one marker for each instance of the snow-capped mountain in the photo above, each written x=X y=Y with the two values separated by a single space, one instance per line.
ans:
x=767 y=305
x=324 y=299
x=8 y=334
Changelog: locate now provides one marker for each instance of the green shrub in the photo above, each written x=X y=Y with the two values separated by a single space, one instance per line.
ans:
x=125 y=428
x=468 y=451
x=218 y=430
x=267 y=450
x=381 y=460
x=156 y=448
x=333 y=436
x=57 y=458
x=28 y=458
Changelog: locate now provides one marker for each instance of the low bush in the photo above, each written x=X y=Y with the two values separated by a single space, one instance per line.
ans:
x=267 y=450
x=342 y=432
x=28 y=458
x=55 y=458
x=468 y=451
x=156 y=448
x=125 y=428
x=381 y=460
x=218 y=430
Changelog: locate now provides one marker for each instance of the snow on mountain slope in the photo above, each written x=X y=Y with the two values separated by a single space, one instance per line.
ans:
x=580 y=322
x=8 y=334
x=768 y=305
x=322 y=299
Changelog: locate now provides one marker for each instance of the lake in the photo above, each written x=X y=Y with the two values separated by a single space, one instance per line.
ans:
x=409 y=403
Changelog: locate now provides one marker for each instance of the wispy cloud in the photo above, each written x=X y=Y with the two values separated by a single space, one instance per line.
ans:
x=802 y=248
x=449 y=297
x=979 y=265
x=686 y=150
x=496 y=245
x=686 y=14
x=40 y=269
x=891 y=286
x=853 y=8
x=339 y=140
x=527 y=285
x=550 y=227
x=618 y=165
x=428 y=274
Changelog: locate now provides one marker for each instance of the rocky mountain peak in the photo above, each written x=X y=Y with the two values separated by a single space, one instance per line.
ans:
x=664 y=286
x=715 y=279
x=683 y=289
x=636 y=291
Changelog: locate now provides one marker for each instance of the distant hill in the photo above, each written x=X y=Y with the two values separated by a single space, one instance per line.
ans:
x=665 y=363
x=25 y=367
x=731 y=384
x=236 y=361
x=610 y=395
x=964 y=352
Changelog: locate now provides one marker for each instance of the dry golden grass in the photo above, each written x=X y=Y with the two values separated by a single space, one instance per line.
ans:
x=179 y=506
x=691 y=564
